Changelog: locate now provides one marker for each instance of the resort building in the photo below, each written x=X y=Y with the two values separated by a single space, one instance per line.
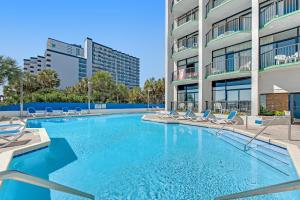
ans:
x=73 y=62
x=233 y=55
x=34 y=64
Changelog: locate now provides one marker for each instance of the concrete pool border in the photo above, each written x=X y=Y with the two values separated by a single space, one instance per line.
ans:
x=7 y=156
x=293 y=150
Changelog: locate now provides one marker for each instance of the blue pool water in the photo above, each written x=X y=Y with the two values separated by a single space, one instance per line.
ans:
x=123 y=157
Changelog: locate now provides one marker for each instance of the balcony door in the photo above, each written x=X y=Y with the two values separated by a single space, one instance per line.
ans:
x=295 y=105
x=230 y=62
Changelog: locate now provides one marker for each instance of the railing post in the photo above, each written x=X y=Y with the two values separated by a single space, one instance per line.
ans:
x=247 y=121
x=290 y=128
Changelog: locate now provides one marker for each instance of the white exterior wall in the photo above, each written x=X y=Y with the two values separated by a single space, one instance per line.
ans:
x=255 y=58
x=88 y=54
x=280 y=81
x=67 y=68
x=283 y=80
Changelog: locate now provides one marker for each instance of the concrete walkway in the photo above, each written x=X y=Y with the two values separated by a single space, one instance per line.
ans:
x=275 y=133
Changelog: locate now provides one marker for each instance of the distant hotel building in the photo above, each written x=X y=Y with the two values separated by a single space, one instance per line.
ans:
x=74 y=62
x=233 y=55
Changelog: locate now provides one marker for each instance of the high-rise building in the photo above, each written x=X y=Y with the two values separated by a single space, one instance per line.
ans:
x=233 y=55
x=74 y=62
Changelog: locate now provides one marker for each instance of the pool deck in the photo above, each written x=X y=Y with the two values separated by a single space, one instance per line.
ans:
x=33 y=139
x=277 y=135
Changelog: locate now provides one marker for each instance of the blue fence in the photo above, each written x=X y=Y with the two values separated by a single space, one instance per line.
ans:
x=72 y=106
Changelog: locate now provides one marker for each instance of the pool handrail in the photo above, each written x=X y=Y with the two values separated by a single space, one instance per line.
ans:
x=282 y=187
x=267 y=124
x=26 y=178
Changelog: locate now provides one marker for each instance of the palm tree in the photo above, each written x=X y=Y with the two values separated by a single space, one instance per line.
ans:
x=48 y=79
x=9 y=71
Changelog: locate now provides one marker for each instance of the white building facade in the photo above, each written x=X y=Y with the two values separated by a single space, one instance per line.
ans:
x=233 y=55
x=74 y=62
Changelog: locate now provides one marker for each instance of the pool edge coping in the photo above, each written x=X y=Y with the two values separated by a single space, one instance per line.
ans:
x=292 y=149
x=7 y=156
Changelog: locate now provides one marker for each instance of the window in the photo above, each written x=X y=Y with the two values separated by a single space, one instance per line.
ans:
x=232 y=90
x=53 y=45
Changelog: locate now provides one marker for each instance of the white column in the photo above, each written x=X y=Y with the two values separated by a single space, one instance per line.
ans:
x=255 y=58
x=169 y=64
x=201 y=44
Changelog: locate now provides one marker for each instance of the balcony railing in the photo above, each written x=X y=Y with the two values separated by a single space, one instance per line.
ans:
x=235 y=25
x=277 y=9
x=183 y=106
x=212 y=4
x=279 y=56
x=235 y=64
x=227 y=106
x=191 y=16
x=190 y=43
x=184 y=74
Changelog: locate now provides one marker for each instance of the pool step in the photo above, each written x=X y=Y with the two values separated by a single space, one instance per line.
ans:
x=262 y=148
x=267 y=159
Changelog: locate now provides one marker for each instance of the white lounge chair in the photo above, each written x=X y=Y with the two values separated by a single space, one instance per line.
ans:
x=171 y=114
x=12 y=136
x=229 y=120
x=188 y=115
x=207 y=116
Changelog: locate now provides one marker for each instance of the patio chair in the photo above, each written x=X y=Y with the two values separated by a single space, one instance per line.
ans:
x=12 y=136
x=229 y=120
x=32 y=112
x=281 y=59
x=65 y=111
x=11 y=123
x=49 y=111
x=171 y=114
x=78 y=111
x=218 y=107
x=207 y=116
x=188 y=115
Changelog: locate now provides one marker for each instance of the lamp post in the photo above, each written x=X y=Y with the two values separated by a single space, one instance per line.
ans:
x=21 y=96
x=89 y=96
x=149 y=98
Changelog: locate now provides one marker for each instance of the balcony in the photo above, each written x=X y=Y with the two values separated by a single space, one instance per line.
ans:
x=182 y=6
x=216 y=10
x=187 y=24
x=185 y=50
x=280 y=58
x=185 y=76
x=231 y=32
x=234 y=67
x=279 y=15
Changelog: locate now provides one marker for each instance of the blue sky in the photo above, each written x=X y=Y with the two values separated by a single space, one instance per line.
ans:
x=135 y=27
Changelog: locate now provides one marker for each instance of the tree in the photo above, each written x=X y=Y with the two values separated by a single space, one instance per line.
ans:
x=48 y=79
x=9 y=71
x=136 y=95
x=30 y=83
x=103 y=87
x=121 y=93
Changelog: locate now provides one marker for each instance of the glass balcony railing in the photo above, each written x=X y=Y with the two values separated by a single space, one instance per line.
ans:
x=234 y=64
x=212 y=4
x=227 y=106
x=277 y=9
x=184 y=46
x=279 y=56
x=185 y=73
x=191 y=16
x=183 y=106
x=235 y=25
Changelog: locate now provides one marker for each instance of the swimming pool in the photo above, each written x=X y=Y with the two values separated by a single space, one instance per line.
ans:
x=123 y=157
